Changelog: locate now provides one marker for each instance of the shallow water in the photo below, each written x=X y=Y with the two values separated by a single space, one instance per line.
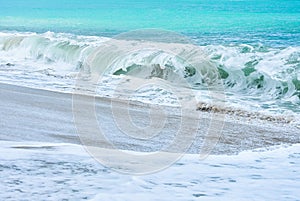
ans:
x=28 y=167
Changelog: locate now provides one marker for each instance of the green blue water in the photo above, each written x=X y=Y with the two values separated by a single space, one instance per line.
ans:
x=254 y=44
x=211 y=21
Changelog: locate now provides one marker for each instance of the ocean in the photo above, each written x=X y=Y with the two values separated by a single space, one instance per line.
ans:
x=238 y=58
x=254 y=44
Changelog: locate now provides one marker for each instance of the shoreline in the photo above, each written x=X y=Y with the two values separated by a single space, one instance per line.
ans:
x=46 y=116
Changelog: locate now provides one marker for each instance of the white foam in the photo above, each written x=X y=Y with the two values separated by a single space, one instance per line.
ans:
x=48 y=171
x=52 y=61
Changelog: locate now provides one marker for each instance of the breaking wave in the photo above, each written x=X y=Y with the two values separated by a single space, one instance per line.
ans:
x=255 y=72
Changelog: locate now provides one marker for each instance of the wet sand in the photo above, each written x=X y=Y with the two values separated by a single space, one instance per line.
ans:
x=38 y=115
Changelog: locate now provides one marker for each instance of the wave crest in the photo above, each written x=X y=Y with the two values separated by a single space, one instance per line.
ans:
x=269 y=76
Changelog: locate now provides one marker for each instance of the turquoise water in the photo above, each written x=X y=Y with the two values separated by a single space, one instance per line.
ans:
x=275 y=22
x=255 y=44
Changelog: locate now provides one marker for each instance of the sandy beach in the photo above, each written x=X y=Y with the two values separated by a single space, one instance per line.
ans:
x=39 y=115
x=43 y=158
